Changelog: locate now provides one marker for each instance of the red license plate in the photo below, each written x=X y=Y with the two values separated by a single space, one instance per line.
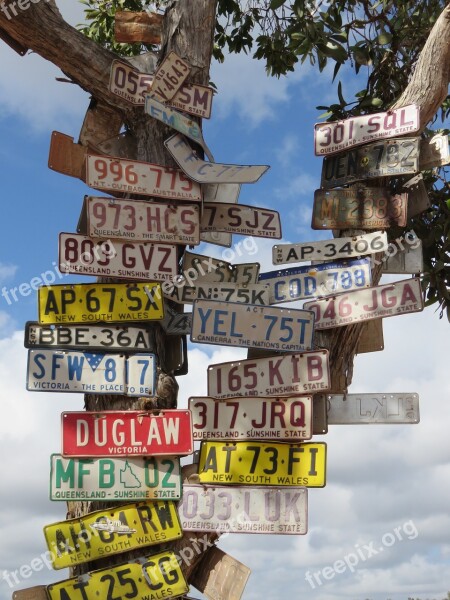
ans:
x=127 y=433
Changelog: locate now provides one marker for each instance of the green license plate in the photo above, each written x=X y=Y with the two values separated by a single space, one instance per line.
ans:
x=151 y=578
x=259 y=463
x=106 y=532
x=91 y=303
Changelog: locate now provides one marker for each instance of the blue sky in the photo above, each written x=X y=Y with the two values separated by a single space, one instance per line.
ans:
x=379 y=477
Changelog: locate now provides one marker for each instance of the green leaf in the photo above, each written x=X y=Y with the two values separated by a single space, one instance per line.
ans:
x=276 y=4
x=384 y=38
x=376 y=102
x=341 y=97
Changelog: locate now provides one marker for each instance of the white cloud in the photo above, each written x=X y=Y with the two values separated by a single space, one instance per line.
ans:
x=7 y=271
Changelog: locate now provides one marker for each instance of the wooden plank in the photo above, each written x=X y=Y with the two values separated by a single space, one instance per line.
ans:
x=34 y=593
x=138 y=27
x=66 y=157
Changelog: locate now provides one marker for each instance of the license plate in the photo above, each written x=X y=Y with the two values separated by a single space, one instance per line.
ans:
x=34 y=593
x=83 y=303
x=285 y=375
x=176 y=323
x=158 y=577
x=434 y=152
x=82 y=255
x=244 y=510
x=388 y=158
x=369 y=243
x=418 y=199
x=355 y=409
x=224 y=192
x=85 y=372
x=114 y=479
x=126 y=433
x=371 y=338
x=199 y=268
x=176 y=120
x=170 y=76
x=399 y=298
x=132 y=85
x=143 y=221
x=241 y=219
x=330 y=138
x=107 y=532
x=219 y=572
x=252 y=326
x=320 y=423
x=365 y=208
x=224 y=292
x=258 y=463
x=282 y=419
x=141 y=178
x=209 y=172
x=154 y=577
x=298 y=283
x=407 y=260
x=94 y=337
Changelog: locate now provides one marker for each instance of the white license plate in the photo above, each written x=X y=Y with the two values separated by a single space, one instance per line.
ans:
x=286 y=375
x=252 y=326
x=223 y=292
x=355 y=409
x=298 y=283
x=244 y=509
x=224 y=192
x=86 y=372
x=384 y=158
x=115 y=479
x=434 y=152
x=140 y=178
x=242 y=219
x=369 y=243
x=199 y=268
x=89 y=337
x=140 y=220
x=330 y=138
x=281 y=419
x=82 y=255
x=399 y=298
x=208 y=172
x=170 y=76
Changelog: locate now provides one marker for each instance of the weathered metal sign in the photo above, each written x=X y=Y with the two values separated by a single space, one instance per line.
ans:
x=246 y=418
x=141 y=178
x=244 y=510
x=363 y=208
x=176 y=323
x=114 y=479
x=401 y=297
x=320 y=423
x=142 y=27
x=242 y=219
x=355 y=409
x=278 y=464
x=155 y=577
x=66 y=157
x=132 y=85
x=126 y=433
x=220 y=576
x=177 y=121
x=105 y=338
x=83 y=255
x=123 y=145
x=141 y=220
x=418 y=199
x=349 y=247
x=252 y=326
x=223 y=292
x=407 y=260
x=384 y=158
x=285 y=375
x=34 y=593
x=333 y=137
x=84 y=303
x=170 y=76
x=371 y=339
x=199 y=268
x=131 y=526
x=434 y=152
x=86 y=372
x=100 y=123
x=209 y=172
x=224 y=192
x=296 y=283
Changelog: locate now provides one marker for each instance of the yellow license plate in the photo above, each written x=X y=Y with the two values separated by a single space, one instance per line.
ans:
x=259 y=463
x=91 y=303
x=106 y=532
x=151 y=578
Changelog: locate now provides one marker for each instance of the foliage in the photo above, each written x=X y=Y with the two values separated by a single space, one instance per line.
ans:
x=380 y=40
